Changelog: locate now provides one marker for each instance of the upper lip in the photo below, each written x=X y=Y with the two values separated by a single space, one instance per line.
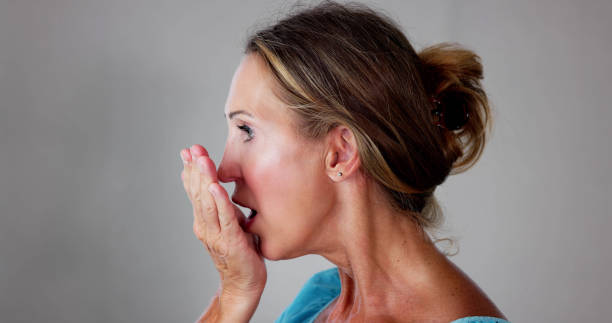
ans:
x=235 y=200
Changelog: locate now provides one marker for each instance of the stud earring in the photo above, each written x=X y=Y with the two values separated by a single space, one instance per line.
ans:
x=339 y=173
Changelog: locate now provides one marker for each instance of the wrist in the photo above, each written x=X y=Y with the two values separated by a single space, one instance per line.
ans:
x=237 y=307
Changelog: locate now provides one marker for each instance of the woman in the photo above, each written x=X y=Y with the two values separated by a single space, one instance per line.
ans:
x=339 y=133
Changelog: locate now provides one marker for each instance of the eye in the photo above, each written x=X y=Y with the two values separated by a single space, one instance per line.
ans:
x=248 y=131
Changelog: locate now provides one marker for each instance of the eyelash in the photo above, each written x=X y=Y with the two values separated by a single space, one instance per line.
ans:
x=248 y=131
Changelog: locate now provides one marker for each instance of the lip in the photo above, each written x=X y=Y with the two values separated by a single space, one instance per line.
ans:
x=249 y=222
x=238 y=202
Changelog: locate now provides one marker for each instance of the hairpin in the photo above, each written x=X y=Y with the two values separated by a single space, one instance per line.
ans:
x=450 y=119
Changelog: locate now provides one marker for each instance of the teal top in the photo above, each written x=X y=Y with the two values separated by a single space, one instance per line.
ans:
x=322 y=288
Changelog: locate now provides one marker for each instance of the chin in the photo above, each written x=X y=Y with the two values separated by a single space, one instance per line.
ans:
x=278 y=251
x=269 y=251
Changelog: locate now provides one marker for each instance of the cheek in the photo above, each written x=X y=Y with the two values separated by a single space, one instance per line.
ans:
x=263 y=174
x=293 y=195
x=282 y=182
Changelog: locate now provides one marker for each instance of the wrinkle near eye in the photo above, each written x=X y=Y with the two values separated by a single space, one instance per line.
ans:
x=246 y=130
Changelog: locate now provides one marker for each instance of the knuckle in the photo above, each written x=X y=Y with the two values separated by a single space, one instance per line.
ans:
x=198 y=232
x=226 y=223
x=210 y=208
x=219 y=247
x=196 y=210
x=197 y=196
x=222 y=264
x=208 y=248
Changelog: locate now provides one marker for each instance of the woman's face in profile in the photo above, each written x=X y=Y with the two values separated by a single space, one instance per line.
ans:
x=276 y=172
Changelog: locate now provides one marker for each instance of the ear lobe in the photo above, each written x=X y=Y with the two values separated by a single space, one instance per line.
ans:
x=342 y=159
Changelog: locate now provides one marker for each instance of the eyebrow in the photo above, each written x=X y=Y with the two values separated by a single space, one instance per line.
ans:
x=233 y=113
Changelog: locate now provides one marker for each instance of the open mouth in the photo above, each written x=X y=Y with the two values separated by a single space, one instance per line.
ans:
x=249 y=220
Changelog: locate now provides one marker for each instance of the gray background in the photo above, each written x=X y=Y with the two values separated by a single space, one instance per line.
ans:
x=97 y=99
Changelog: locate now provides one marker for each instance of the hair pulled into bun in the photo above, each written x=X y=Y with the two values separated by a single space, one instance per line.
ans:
x=452 y=75
x=348 y=64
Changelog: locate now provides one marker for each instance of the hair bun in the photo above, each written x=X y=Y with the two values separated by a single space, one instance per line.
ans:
x=452 y=74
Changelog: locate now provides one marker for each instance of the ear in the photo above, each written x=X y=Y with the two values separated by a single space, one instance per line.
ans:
x=341 y=156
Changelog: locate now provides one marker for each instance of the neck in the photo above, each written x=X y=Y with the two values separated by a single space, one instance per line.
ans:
x=385 y=259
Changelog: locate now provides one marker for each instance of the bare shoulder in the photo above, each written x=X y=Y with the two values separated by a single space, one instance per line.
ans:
x=448 y=294
x=459 y=296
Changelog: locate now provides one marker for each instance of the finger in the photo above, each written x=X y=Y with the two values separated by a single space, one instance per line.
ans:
x=194 y=189
x=186 y=155
x=193 y=153
x=209 y=207
x=225 y=209
x=207 y=169
x=186 y=172
x=239 y=216
x=185 y=180
x=197 y=151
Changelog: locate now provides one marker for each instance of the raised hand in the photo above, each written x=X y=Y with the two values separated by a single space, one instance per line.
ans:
x=217 y=222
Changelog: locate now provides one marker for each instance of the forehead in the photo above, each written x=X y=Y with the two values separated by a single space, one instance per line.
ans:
x=251 y=90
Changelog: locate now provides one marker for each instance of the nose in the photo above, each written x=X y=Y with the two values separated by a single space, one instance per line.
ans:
x=229 y=168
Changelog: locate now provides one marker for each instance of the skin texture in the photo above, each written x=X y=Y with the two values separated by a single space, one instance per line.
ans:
x=275 y=171
x=389 y=269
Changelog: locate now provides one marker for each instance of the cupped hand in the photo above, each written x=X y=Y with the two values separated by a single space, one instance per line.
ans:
x=217 y=223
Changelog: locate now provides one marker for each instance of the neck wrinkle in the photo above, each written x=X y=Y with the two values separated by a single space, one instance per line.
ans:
x=384 y=258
